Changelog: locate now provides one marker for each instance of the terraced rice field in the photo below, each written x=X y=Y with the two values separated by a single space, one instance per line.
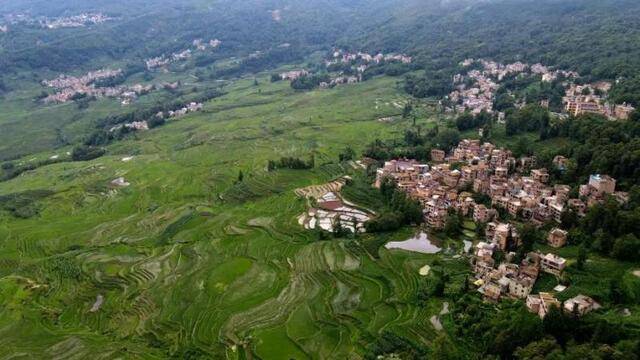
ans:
x=188 y=262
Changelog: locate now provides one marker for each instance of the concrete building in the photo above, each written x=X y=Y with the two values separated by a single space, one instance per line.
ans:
x=552 y=264
x=541 y=304
x=581 y=305
x=437 y=155
x=557 y=238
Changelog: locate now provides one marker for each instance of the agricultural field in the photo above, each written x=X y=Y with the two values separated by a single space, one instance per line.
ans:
x=187 y=260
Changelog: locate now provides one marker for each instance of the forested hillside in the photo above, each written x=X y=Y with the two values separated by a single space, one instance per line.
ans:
x=598 y=38
x=192 y=179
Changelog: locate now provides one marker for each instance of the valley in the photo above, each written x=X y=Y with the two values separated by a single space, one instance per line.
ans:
x=365 y=180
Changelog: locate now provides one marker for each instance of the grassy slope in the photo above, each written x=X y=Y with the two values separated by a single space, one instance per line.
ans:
x=29 y=127
x=181 y=269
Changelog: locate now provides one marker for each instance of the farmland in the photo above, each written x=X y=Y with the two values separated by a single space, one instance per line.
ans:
x=189 y=260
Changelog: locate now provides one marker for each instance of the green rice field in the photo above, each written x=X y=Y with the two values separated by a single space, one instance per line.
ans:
x=185 y=261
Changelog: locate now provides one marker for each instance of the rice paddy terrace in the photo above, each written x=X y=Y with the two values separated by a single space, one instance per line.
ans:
x=187 y=261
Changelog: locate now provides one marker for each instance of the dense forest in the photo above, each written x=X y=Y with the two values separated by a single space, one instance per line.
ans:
x=596 y=38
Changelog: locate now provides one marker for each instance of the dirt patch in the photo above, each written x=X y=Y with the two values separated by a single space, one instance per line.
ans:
x=436 y=323
x=234 y=230
x=260 y=222
x=317 y=191
x=96 y=305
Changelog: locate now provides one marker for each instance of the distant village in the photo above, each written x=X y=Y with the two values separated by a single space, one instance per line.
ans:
x=475 y=90
x=166 y=115
x=357 y=62
x=82 y=20
x=165 y=60
x=515 y=187
x=69 y=88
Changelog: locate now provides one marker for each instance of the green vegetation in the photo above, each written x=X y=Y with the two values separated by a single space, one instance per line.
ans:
x=199 y=254
x=187 y=229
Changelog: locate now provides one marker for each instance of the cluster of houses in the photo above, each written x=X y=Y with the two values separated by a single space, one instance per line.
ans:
x=64 y=81
x=508 y=279
x=591 y=99
x=173 y=114
x=164 y=60
x=346 y=57
x=475 y=98
x=202 y=45
x=495 y=172
x=191 y=107
x=293 y=74
x=449 y=183
x=69 y=87
x=338 y=80
x=75 y=21
x=134 y=126
x=359 y=62
x=516 y=280
x=475 y=91
x=329 y=209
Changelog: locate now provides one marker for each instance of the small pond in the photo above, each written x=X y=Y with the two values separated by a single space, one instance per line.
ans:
x=419 y=243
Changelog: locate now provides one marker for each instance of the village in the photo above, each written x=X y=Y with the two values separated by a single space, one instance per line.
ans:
x=345 y=57
x=476 y=89
x=358 y=63
x=75 y=21
x=70 y=87
x=164 y=115
x=162 y=61
x=517 y=190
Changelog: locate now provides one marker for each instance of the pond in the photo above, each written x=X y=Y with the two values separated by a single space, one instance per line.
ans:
x=419 y=243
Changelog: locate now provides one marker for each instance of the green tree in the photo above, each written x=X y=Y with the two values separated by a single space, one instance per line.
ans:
x=453 y=224
x=437 y=285
x=447 y=139
x=408 y=108
x=537 y=350
x=347 y=154
x=582 y=257
x=626 y=248
x=556 y=324
x=616 y=295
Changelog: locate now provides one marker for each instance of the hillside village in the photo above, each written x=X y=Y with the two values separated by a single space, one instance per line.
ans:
x=69 y=88
x=475 y=89
x=516 y=189
x=75 y=21
x=344 y=67
x=514 y=186
x=161 y=115
x=162 y=61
